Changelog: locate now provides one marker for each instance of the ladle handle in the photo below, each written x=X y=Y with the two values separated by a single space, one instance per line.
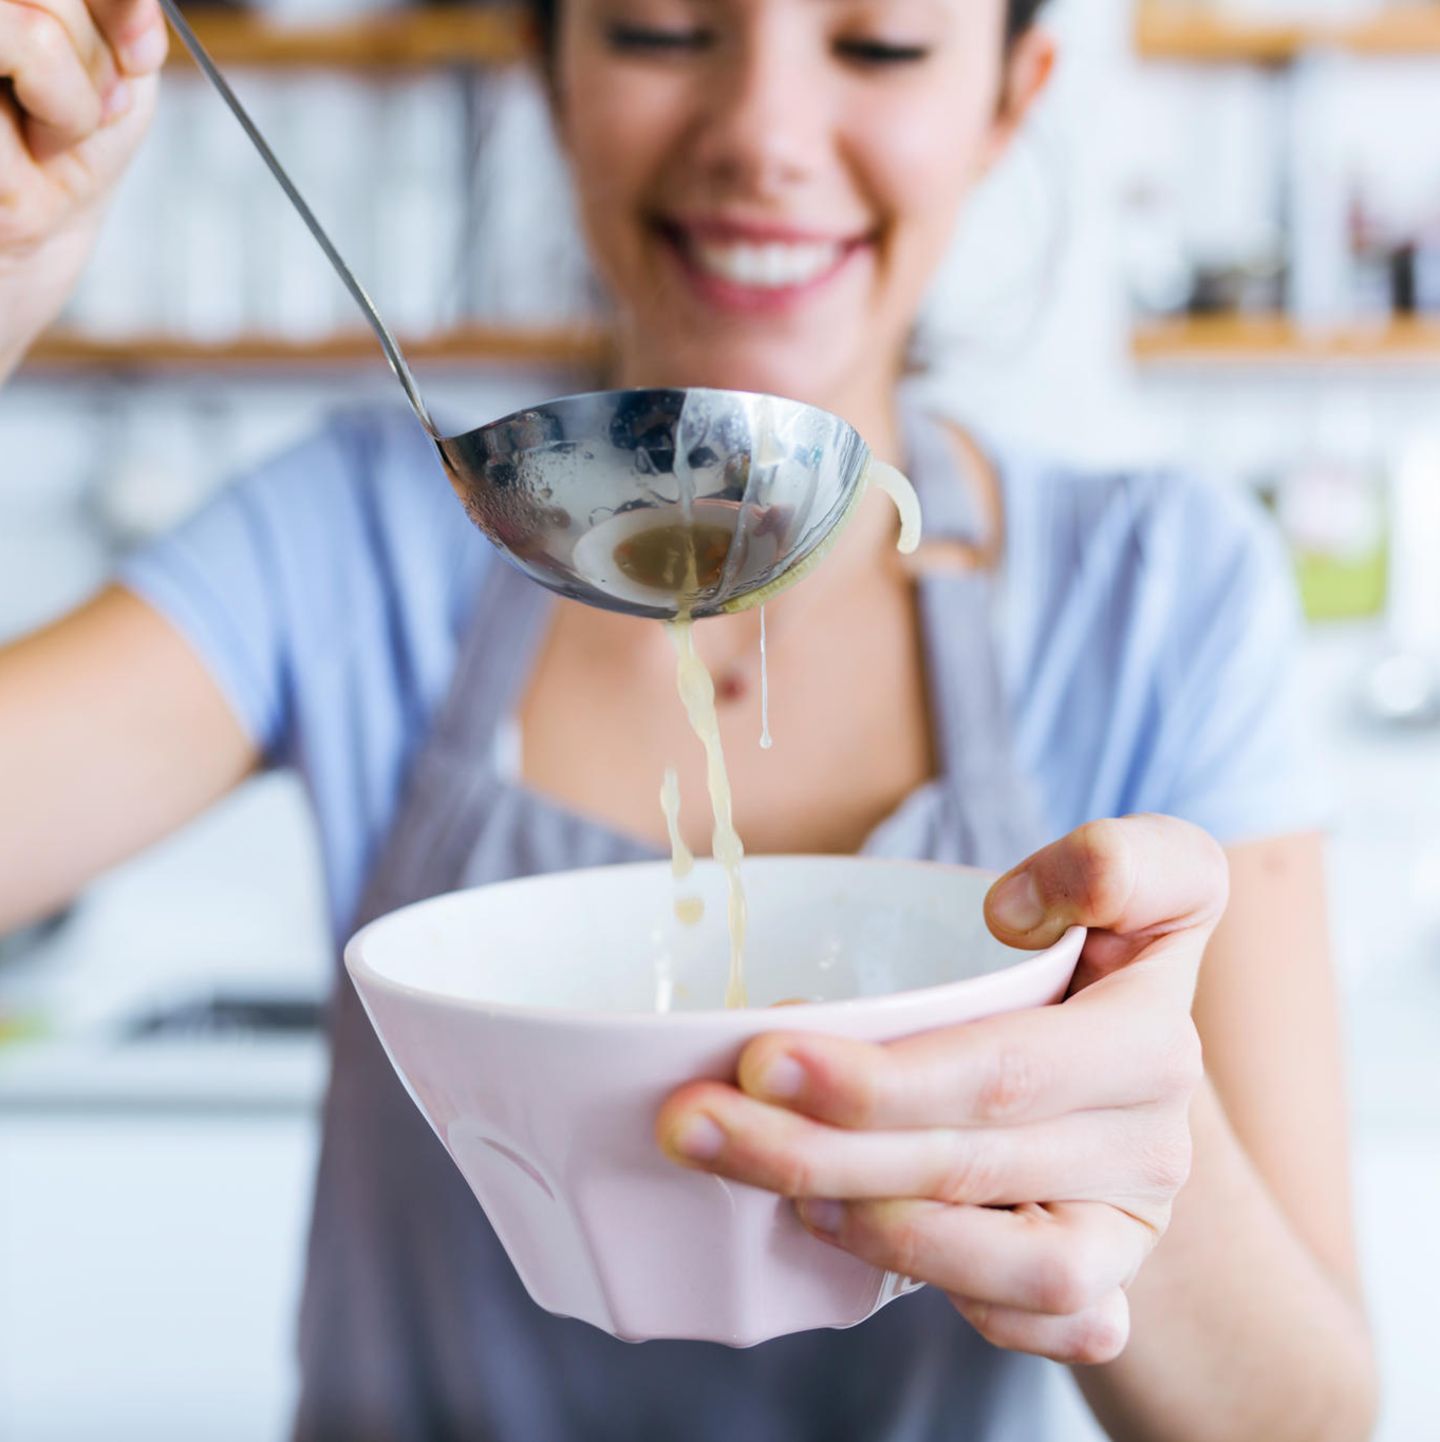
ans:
x=387 y=341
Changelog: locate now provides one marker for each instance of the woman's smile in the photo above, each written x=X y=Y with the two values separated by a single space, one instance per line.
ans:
x=767 y=186
x=749 y=268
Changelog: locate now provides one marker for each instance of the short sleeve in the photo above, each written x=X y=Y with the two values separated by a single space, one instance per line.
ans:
x=329 y=582
x=327 y=591
x=227 y=576
x=1232 y=751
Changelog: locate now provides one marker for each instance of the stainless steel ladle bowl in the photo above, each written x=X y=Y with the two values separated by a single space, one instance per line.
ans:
x=651 y=502
x=631 y=500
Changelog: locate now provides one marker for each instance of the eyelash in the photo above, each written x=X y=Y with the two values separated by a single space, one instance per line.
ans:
x=877 y=52
x=639 y=39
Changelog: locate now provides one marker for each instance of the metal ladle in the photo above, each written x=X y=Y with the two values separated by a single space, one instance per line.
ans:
x=642 y=501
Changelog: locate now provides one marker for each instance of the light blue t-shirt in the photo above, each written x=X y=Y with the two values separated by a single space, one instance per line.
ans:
x=1147 y=634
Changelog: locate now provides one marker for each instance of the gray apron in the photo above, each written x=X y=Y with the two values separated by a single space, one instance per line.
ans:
x=415 y=1328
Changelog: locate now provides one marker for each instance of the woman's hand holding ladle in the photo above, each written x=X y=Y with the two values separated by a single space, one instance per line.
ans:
x=81 y=91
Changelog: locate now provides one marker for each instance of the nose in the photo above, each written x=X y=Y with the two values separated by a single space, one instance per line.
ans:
x=763 y=124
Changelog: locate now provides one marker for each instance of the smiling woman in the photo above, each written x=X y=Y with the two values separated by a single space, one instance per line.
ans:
x=767 y=187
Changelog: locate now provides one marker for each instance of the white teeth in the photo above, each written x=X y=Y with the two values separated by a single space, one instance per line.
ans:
x=767 y=267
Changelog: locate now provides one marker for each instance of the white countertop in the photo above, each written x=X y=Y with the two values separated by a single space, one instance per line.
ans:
x=230 y=905
x=249 y=1075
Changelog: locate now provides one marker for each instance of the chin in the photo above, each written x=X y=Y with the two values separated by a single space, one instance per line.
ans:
x=807 y=374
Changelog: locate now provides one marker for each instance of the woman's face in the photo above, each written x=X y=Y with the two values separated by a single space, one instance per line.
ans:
x=768 y=185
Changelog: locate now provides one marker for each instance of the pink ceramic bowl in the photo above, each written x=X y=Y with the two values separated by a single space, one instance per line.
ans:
x=540 y=1023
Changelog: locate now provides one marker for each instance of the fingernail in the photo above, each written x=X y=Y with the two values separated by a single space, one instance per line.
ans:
x=1016 y=904
x=118 y=100
x=698 y=1138
x=146 y=51
x=783 y=1079
x=821 y=1215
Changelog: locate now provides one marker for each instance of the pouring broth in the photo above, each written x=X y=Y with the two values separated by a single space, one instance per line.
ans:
x=689 y=554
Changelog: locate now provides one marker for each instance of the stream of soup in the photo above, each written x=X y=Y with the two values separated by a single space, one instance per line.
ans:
x=766 y=740
x=688 y=909
x=680 y=557
x=697 y=691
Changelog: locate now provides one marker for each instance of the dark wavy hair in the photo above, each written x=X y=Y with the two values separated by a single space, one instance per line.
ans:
x=1020 y=15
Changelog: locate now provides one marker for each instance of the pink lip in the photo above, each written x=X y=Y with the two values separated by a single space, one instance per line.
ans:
x=736 y=299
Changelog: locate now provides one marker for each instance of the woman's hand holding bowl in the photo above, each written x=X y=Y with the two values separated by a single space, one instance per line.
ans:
x=1026 y=1163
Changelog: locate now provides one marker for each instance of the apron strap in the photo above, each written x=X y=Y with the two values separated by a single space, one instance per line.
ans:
x=451 y=784
x=972 y=722
x=966 y=695
x=495 y=657
x=948 y=505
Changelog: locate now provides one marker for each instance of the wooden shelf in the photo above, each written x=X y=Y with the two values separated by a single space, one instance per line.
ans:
x=1205 y=35
x=468 y=346
x=1277 y=340
x=1202 y=340
x=493 y=35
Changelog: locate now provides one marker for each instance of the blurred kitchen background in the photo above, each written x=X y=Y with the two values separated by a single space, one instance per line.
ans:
x=1229 y=261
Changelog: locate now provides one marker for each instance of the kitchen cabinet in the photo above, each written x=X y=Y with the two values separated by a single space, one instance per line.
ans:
x=151 y=1265
x=154 y=1193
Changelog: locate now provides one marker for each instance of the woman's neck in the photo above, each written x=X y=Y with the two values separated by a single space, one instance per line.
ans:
x=874 y=411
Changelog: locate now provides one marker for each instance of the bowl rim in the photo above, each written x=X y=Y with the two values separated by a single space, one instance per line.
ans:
x=1064 y=951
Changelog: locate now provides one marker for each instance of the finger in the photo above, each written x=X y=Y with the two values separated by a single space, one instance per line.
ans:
x=50 y=82
x=15 y=155
x=1137 y=1158
x=135 y=31
x=1140 y=876
x=1055 y=1260
x=76 y=21
x=1087 y=1339
x=1024 y=1066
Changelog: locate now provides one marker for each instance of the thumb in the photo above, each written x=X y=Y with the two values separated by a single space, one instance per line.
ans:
x=1135 y=877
